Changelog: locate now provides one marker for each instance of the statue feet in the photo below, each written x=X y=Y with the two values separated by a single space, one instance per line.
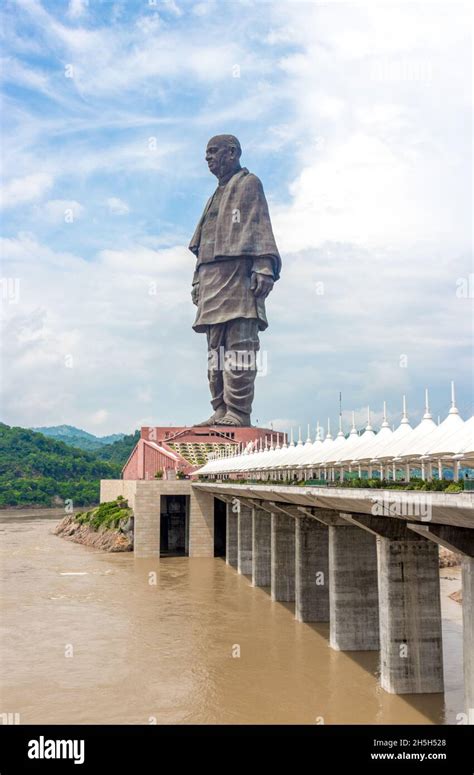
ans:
x=214 y=419
x=234 y=418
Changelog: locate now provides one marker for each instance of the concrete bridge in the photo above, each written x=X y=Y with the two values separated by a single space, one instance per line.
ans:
x=364 y=560
x=366 y=563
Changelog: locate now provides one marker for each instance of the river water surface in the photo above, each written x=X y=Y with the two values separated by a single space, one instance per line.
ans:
x=85 y=638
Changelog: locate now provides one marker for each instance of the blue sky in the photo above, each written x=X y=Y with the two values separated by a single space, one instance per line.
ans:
x=357 y=118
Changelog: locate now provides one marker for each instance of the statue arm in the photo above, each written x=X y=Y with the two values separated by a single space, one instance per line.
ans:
x=262 y=278
x=195 y=287
x=264 y=265
x=257 y=227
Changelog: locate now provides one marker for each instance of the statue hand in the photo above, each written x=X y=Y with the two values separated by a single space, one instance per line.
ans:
x=195 y=294
x=261 y=285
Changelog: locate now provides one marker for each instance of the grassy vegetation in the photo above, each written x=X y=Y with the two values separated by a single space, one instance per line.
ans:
x=109 y=515
x=437 y=485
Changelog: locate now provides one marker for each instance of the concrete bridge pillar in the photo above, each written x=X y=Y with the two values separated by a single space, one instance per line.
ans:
x=201 y=524
x=244 y=539
x=231 y=538
x=411 y=655
x=410 y=616
x=468 y=633
x=282 y=557
x=261 y=548
x=460 y=539
x=353 y=595
x=312 y=571
x=147 y=511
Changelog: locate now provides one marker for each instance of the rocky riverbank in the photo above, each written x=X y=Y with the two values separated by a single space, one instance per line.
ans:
x=448 y=559
x=108 y=527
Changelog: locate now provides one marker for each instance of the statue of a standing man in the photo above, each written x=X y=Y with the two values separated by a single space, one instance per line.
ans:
x=237 y=264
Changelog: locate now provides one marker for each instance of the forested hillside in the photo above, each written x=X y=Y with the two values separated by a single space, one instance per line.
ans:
x=36 y=470
x=119 y=451
x=75 y=437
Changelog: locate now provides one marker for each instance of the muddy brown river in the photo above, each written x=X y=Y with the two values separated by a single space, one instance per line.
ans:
x=86 y=638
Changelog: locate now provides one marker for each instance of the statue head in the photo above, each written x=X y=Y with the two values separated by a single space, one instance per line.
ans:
x=223 y=154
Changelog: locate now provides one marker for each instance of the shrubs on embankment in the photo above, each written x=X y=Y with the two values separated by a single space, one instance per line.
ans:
x=435 y=485
x=108 y=526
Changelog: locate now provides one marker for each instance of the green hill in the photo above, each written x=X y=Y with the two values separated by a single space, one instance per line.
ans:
x=78 y=438
x=120 y=450
x=36 y=470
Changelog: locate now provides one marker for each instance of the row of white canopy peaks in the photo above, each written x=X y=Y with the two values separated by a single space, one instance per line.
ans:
x=452 y=441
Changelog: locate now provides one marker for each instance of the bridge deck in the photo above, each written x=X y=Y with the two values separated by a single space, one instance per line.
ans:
x=455 y=509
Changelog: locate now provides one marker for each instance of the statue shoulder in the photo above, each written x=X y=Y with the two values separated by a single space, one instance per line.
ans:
x=251 y=182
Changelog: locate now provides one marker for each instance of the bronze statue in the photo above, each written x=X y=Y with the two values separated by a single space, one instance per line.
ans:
x=237 y=264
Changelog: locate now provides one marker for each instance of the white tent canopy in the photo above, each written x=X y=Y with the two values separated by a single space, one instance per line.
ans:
x=449 y=443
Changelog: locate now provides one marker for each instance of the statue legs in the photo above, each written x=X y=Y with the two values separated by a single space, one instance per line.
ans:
x=232 y=368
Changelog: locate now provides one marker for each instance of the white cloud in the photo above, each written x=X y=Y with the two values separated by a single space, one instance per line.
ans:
x=26 y=189
x=144 y=49
x=117 y=206
x=61 y=210
x=379 y=162
x=99 y=417
x=202 y=9
x=77 y=8
x=109 y=328
x=172 y=7
x=147 y=150
x=360 y=191
x=13 y=71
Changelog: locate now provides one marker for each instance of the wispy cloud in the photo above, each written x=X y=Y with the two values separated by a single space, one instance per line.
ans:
x=117 y=206
x=77 y=8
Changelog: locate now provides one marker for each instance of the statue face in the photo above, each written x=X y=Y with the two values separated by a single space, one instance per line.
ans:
x=221 y=157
